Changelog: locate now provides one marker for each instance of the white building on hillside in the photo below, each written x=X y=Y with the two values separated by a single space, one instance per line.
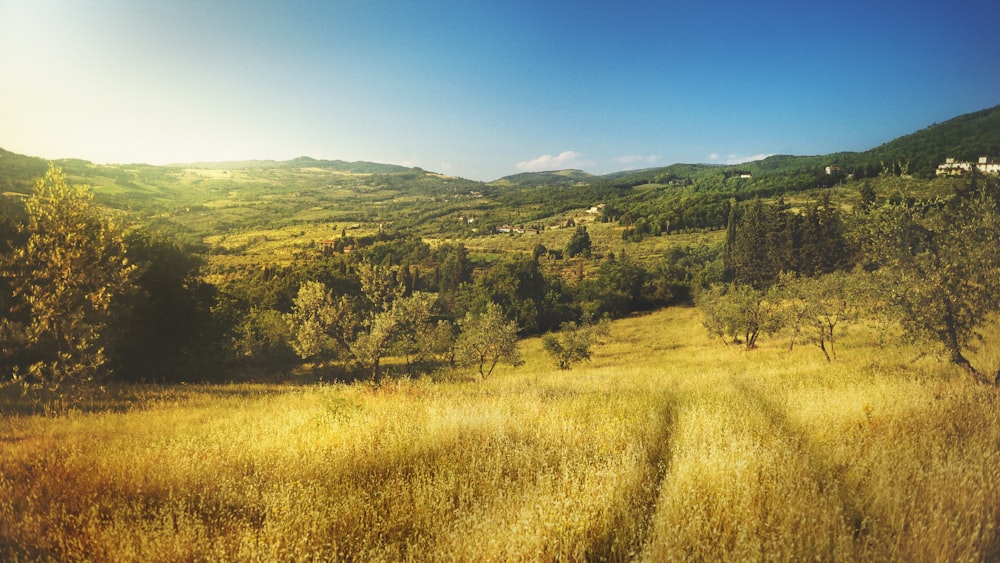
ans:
x=986 y=165
x=989 y=165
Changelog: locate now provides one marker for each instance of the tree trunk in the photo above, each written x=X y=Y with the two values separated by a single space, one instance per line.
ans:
x=375 y=373
x=822 y=346
x=955 y=352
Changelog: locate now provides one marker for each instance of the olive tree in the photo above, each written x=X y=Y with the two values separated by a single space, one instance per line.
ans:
x=68 y=282
x=739 y=313
x=814 y=307
x=938 y=263
x=486 y=340
x=573 y=343
x=313 y=314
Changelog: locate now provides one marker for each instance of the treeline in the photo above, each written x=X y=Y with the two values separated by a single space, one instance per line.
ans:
x=85 y=299
x=930 y=267
x=765 y=240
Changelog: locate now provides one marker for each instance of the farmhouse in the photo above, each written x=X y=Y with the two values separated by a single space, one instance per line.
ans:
x=952 y=167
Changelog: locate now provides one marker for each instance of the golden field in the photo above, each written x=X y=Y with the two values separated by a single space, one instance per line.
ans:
x=668 y=446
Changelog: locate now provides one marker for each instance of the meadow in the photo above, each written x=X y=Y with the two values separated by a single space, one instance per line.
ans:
x=667 y=446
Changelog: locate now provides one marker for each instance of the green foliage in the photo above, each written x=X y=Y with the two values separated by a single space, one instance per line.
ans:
x=686 y=269
x=740 y=313
x=373 y=343
x=313 y=314
x=868 y=197
x=579 y=244
x=263 y=337
x=765 y=240
x=68 y=281
x=169 y=332
x=573 y=343
x=621 y=286
x=18 y=173
x=486 y=340
x=416 y=337
x=966 y=137
x=237 y=241
x=535 y=300
x=938 y=263
x=815 y=307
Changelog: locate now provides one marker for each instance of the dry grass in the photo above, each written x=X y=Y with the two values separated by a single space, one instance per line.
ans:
x=668 y=446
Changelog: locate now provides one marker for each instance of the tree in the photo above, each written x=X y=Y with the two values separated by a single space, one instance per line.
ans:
x=938 y=263
x=170 y=332
x=413 y=327
x=748 y=251
x=379 y=323
x=816 y=307
x=379 y=286
x=262 y=336
x=486 y=340
x=868 y=197
x=453 y=273
x=373 y=344
x=539 y=252
x=313 y=314
x=619 y=288
x=579 y=243
x=439 y=342
x=739 y=312
x=573 y=343
x=68 y=281
x=535 y=300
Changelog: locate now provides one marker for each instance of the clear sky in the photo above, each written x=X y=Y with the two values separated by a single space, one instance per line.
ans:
x=481 y=88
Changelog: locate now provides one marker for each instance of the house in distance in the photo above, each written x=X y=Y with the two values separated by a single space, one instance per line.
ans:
x=952 y=167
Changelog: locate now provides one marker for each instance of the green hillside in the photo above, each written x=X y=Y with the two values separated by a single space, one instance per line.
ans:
x=359 y=167
x=966 y=137
x=18 y=172
x=282 y=207
x=553 y=178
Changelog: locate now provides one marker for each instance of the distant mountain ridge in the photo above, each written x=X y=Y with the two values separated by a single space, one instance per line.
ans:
x=357 y=167
x=965 y=137
x=550 y=178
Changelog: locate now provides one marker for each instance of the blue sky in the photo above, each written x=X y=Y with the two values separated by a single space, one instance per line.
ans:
x=484 y=89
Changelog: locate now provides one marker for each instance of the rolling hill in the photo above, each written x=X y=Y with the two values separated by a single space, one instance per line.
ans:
x=965 y=137
x=306 y=199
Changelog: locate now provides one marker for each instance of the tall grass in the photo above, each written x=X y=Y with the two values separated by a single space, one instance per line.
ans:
x=667 y=446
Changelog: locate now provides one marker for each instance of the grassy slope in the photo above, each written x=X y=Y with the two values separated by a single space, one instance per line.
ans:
x=668 y=446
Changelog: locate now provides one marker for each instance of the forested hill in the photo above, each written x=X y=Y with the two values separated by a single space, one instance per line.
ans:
x=231 y=197
x=359 y=167
x=18 y=172
x=966 y=137
x=555 y=178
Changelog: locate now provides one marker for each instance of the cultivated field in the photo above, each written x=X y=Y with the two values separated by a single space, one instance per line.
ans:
x=669 y=446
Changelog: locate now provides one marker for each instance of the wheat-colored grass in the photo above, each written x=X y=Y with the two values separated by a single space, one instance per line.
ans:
x=667 y=446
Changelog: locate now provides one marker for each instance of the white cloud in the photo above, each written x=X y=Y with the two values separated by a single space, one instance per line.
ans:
x=734 y=159
x=714 y=156
x=564 y=160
